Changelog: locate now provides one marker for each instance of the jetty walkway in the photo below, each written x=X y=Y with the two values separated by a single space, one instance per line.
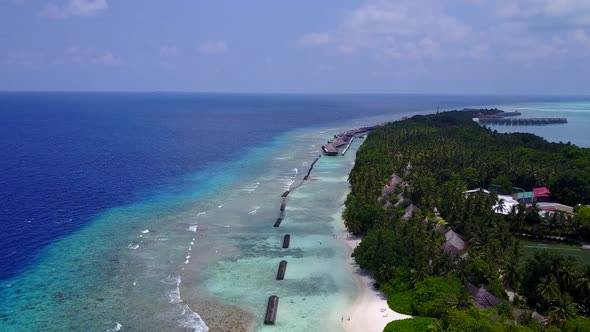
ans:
x=345 y=138
x=512 y=119
x=522 y=121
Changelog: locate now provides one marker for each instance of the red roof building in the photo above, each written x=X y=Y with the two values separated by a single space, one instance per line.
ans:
x=541 y=192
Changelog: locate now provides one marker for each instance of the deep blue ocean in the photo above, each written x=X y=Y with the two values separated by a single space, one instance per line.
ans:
x=65 y=157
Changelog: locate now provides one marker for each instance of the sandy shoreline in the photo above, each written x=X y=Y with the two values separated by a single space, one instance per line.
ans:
x=369 y=312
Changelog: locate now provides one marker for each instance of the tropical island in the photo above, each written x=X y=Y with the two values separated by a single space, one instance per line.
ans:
x=444 y=206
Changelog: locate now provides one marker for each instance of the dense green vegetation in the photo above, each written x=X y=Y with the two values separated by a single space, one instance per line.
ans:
x=412 y=324
x=439 y=157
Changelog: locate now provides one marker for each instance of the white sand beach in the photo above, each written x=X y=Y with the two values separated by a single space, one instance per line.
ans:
x=369 y=312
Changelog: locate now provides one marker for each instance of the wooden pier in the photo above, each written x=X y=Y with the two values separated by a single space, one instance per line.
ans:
x=282 y=269
x=348 y=146
x=271 y=310
x=521 y=121
x=511 y=118
x=331 y=148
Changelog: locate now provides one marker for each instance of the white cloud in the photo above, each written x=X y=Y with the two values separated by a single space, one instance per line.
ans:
x=315 y=39
x=560 y=12
x=393 y=29
x=107 y=59
x=517 y=30
x=72 y=50
x=213 y=47
x=76 y=54
x=74 y=8
x=169 y=51
x=479 y=51
x=580 y=36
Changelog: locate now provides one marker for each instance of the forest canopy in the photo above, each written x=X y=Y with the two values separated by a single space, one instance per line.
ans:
x=408 y=198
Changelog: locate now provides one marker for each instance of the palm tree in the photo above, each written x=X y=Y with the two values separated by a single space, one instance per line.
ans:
x=353 y=225
x=386 y=272
x=461 y=269
x=549 y=289
x=512 y=273
x=532 y=214
x=499 y=208
x=567 y=275
x=563 y=310
x=511 y=276
x=419 y=273
x=437 y=326
x=459 y=302
x=443 y=263
x=582 y=287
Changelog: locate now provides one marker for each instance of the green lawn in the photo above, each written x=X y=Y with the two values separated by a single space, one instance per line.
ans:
x=531 y=248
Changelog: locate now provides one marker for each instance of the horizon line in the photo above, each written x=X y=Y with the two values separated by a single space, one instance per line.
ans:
x=478 y=94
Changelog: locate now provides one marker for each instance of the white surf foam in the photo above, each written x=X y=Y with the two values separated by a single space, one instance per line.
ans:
x=288 y=184
x=252 y=188
x=289 y=180
x=145 y=231
x=253 y=212
x=133 y=246
x=192 y=321
x=188 y=319
x=201 y=213
x=116 y=328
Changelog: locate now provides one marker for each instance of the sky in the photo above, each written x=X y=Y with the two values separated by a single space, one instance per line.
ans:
x=303 y=46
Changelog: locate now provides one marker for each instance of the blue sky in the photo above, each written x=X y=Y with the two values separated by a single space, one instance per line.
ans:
x=420 y=46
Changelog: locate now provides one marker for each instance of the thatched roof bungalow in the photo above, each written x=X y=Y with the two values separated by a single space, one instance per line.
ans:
x=409 y=212
x=454 y=244
x=543 y=320
x=482 y=298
